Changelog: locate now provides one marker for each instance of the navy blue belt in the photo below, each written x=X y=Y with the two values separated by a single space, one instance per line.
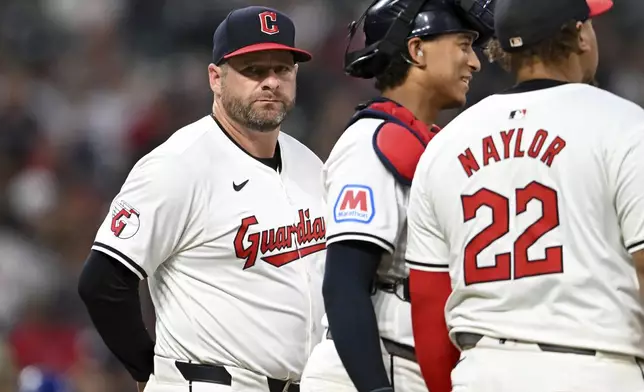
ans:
x=467 y=340
x=216 y=374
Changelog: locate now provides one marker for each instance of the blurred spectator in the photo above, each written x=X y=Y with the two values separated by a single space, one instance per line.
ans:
x=8 y=370
x=34 y=379
x=28 y=274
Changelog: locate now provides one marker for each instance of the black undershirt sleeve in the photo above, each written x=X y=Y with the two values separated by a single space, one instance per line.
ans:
x=350 y=270
x=110 y=292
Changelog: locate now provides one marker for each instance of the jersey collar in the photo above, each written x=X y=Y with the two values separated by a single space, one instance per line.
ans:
x=274 y=162
x=533 y=85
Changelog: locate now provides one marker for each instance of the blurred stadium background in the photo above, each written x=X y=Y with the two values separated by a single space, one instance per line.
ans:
x=89 y=86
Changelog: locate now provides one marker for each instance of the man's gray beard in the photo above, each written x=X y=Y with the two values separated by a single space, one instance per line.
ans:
x=250 y=118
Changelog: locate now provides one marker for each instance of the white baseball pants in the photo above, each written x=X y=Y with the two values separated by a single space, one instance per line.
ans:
x=324 y=372
x=494 y=365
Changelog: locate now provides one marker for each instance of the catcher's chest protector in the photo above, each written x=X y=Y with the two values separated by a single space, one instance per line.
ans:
x=400 y=140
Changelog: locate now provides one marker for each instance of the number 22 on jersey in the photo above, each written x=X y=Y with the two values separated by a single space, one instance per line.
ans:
x=500 y=226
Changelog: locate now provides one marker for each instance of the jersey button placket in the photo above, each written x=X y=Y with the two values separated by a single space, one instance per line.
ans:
x=307 y=278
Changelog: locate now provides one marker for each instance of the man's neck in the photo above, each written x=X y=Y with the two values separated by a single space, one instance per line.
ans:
x=257 y=144
x=421 y=102
x=565 y=72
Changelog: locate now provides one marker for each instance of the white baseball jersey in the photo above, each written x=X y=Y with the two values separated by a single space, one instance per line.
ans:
x=534 y=200
x=233 y=249
x=366 y=203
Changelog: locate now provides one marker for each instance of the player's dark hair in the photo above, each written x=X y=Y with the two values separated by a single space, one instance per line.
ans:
x=395 y=74
x=551 y=51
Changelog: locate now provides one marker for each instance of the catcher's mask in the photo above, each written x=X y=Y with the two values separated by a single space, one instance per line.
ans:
x=388 y=24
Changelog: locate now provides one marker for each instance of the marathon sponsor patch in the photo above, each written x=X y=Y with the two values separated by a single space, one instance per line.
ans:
x=354 y=204
x=125 y=220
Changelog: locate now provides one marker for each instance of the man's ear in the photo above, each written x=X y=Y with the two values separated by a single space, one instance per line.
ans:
x=584 y=36
x=215 y=76
x=415 y=51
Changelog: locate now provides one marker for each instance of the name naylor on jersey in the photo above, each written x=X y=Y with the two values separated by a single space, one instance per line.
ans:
x=510 y=144
x=305 y=231
x=354 y=204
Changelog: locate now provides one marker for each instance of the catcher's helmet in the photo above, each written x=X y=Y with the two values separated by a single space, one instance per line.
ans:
x=388 y=24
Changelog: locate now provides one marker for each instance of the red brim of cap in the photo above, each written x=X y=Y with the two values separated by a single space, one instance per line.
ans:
x=598 y=7
x=300 y=55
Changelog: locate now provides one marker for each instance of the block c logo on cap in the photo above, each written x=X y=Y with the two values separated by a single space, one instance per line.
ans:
x=268 y=22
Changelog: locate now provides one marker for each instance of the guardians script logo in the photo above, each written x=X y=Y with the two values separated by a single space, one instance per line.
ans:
x=278 y=239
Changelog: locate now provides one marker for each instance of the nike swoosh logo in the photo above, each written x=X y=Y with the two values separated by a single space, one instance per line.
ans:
x=239 y=187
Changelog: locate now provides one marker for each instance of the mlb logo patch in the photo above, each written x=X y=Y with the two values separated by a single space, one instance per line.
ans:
x=518 y=114
x=516 y=42
x=354 y=204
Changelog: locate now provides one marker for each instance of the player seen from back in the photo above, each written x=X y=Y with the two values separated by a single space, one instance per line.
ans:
x=531 y=204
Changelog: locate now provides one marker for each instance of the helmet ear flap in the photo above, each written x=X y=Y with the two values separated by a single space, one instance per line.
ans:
x=366 y=64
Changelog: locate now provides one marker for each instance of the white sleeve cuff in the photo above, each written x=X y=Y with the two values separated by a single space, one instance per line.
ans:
x=123 y=259
x=429 y=267
x=635 y=246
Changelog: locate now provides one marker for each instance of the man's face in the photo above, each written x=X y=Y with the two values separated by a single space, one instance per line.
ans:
x=452 y=61
x=258 y=89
